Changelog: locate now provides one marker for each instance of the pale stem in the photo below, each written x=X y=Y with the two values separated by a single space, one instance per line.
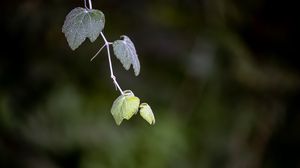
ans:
x=85 y=4
x=108 y=54
x=110 y=64
x=98 y=52
x=90 y=4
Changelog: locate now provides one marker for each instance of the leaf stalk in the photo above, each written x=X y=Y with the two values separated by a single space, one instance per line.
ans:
x=106 y=44
x=113 y=77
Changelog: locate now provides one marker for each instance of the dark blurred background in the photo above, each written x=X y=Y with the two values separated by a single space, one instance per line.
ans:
x=222 y=77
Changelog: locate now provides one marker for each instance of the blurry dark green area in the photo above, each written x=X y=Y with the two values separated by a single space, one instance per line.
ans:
x=222 y=77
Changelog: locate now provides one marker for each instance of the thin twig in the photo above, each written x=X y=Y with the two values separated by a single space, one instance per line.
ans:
x=90 y=4
x=98 y=52
x=85 y=4
x=108 y=54
x=110 y=64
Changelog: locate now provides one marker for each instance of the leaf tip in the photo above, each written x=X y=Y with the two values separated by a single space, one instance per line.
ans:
x=136 y=73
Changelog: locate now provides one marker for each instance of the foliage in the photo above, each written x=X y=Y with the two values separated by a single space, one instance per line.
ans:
x=82 y=23
x=125 y=106
x=125 y=51
x=222 y=75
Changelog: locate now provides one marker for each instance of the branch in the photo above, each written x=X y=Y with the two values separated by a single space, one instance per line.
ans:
x=110 y=64
x=108 y=54
x=98 y=52
x=90 y=4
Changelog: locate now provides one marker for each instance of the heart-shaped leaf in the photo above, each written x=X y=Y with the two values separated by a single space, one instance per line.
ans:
x=82 y=23
x=116 y=109
x=146 y=113
x=125 y=51
x=125 y=106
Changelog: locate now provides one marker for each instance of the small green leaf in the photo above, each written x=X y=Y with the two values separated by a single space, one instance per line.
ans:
x=146 y=113
x=83 y=23
x=116 y=109
x=130 y=106
x=125 y=106
x=125 y=51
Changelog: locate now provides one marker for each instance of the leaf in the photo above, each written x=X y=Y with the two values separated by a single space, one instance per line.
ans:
x=130 y=106
x=125 y=51
x=116 y=109
x=146 y=113
x=125 y=106
x=82 y=23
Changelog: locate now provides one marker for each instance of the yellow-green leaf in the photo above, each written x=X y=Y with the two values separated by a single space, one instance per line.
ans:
x=146 y=113
x=125 y=106
x=116 y=109
x=130 y=106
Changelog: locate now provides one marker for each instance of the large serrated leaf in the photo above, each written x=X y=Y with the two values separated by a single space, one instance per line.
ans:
x=83 y=23
x=125 y=106
x=125 y=51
